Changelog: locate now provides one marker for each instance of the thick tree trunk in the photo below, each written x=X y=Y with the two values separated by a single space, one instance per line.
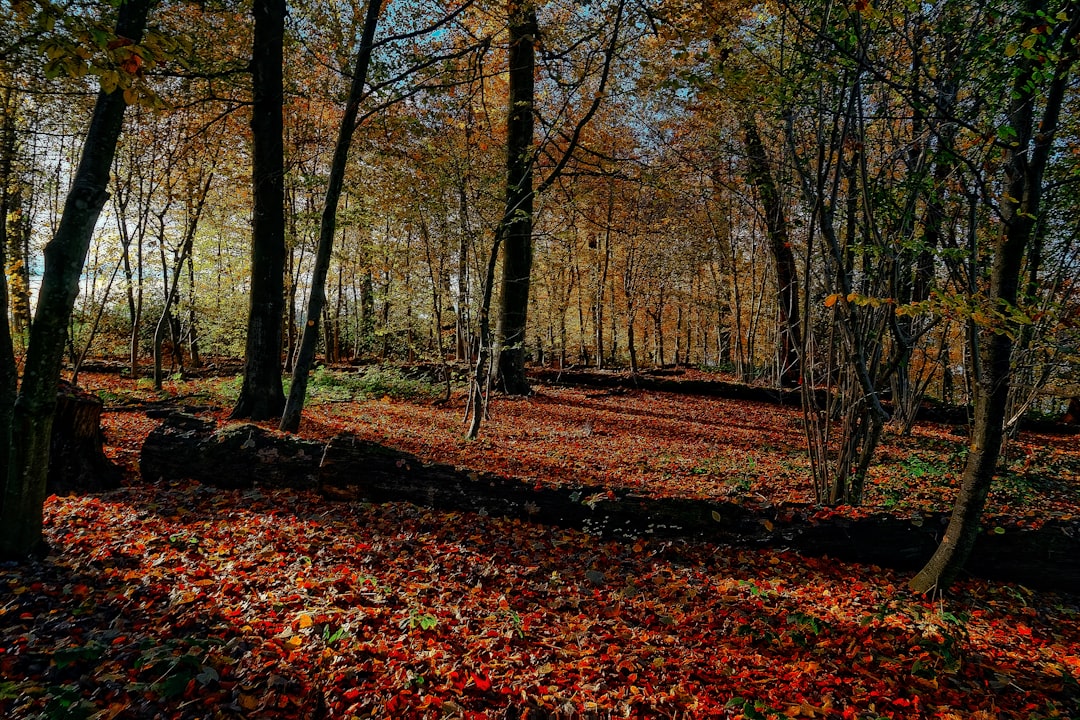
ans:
x=262 y=395
x=32 y=415
x=290 y=418
x=517 y=221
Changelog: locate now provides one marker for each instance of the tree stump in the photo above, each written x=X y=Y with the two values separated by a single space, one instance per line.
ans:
x=77 y=461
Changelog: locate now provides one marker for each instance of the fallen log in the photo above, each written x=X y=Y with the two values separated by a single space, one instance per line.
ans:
x=234 y=457
x=658 y=383
x=654 y=382
x=358 y=470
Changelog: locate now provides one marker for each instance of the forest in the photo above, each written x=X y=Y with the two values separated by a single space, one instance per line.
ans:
x=539 y=358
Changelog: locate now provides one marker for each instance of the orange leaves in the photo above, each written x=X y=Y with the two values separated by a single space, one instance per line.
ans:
x=297 y=603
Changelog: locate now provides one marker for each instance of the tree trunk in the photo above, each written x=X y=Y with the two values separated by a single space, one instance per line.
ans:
x=1024 y=167
x=462 y=344
x=262 y=396
x=193 y=316
x=9 y=373
x=27 y=464
x=166 y=321
x=517 y=221
x=290 y=418
x=787 y=273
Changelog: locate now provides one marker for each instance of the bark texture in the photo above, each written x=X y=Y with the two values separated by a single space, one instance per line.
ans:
x=516 y=225
x=77 y=461
x=262 y=395
x=290 y=417
x=21 y=514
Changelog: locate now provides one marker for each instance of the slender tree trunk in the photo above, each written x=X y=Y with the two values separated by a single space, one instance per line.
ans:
x=461 y=320
x=193 y=315
x=517 y=220
x=787 y=274
x=21 y=514
x=480 y=391
x=9 y=373
x=290 y=418
x=262 y=395
x=13 y=226
x=1024 y=169
x=602 y=275
x=165 y=321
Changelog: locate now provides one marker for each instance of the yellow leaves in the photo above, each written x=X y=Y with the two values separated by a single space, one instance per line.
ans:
x=248 y=702
x=858 y=300
x=184 y=598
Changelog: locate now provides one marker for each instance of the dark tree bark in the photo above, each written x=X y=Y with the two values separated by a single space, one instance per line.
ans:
x=9 y=373
x=1025 y=165
x=517 y=221
x=236 y=457
x=262 y=395
x=30 y=430
x=77 y=460
x=787 y=271
x=290 y=418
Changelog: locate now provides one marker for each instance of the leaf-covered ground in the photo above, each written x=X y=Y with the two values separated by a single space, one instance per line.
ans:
x=189 y=602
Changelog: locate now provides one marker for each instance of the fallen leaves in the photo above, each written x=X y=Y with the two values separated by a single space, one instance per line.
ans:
x=287 y=603
x=190 y=602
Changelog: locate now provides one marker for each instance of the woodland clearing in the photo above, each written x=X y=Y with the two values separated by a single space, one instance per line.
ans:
x=185 y=601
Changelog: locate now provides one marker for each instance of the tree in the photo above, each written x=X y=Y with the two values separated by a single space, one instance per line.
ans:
x=787 y=273
x=516 y=227
x=1045 y=53
x=513 y=234
x=262 y=395
x=28 y=419
x=290 y=418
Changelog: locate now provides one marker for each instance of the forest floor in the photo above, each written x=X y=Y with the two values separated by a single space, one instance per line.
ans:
x=183 y=601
